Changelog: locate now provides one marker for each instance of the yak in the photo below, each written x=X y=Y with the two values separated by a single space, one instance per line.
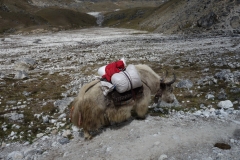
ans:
x=91 y=110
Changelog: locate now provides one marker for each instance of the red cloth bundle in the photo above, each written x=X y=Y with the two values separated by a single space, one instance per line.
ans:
x=114 y=67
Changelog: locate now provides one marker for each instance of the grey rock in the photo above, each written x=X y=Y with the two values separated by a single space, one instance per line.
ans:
x=63 y=141
x=37 y=40
x=197 y=113
x=225 y=104
x=45 y=119
x=236 y=134
x=178 y=61
x=162 y=157
x=32 y=151
x=11 y=102
x=202 y=106
x=63 y=104
x=25 y=64
x=232 y=65
x=235 y=90
x=165 y=104
x=222 y=96
x=25 y=93
x=206 y=70
x=225 y=75
x=185 y=84
x=62 y=116
x=235 y=22
x=14 y=116
x=208 y=80
x=15 y=155
x=2 y=75
x=21 y=75
x=236 y=76
x=66 y=133
x=210 y=96
x=208 y=20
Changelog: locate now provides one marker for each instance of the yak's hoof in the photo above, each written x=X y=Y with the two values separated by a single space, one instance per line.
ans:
x=141 y=118
x=88 y=138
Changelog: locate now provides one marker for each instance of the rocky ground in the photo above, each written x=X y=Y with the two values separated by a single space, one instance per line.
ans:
x=41 y=74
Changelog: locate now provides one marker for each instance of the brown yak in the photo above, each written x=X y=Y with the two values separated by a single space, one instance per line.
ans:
x=91 y=110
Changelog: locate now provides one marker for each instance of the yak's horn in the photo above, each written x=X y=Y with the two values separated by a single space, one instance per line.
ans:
x=172 y=81
x=164 y=76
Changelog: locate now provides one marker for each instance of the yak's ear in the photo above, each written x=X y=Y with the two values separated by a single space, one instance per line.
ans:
x=172 y=81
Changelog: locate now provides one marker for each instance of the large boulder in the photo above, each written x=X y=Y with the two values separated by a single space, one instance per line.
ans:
x=228 y=76
x=225 y=104
x=25 y=64
x=235 y=22
x=208 y=20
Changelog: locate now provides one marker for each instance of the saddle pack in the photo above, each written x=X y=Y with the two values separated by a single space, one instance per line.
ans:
x=120 y=99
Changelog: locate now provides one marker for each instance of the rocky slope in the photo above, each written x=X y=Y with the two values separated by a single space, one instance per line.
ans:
x=169 y=17
x=182 y=16
x=41 y=74
x=23 y=17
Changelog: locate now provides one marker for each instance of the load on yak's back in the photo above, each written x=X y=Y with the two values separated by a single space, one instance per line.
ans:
x=121 y=76
x=121 y=91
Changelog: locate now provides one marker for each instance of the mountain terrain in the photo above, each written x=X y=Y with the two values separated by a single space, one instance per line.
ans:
x=168 y=17
x=181 y=16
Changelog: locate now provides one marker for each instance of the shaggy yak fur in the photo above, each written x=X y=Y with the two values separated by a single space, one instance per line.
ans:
x=91 y=110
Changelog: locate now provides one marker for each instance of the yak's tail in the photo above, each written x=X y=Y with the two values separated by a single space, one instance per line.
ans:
x=75 y=114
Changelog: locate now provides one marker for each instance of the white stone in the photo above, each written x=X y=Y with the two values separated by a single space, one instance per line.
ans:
x=62 y=116
x=232 y=140
x=210 y=96
x=39 y=135
x=197 y=113
x=3 y=145
x=162 y=157
x=15 y=155
x=45 y=119
x=45 y=138
x=53 y=121
x=66 y=133
x=212 y=109
x=206 y=114
x=12 y=133
x=108 y=149
x=223 y=113
x=54 y=144
x=225 y=104
x=75 y=129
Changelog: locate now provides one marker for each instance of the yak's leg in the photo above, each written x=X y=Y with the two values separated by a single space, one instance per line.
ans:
x=87 y=135
x=141 y=107
x=141 y=111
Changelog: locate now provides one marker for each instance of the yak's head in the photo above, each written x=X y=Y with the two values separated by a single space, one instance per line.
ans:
x=165 y=91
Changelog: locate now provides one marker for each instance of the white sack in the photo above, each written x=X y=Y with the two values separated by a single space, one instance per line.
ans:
x=101 y=71
x=121 y=82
